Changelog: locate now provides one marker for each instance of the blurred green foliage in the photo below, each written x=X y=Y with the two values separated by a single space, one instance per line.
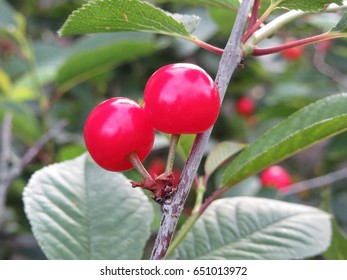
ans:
x=45 y=78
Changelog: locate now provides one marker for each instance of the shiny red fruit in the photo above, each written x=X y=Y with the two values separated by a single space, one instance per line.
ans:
x=181 y=99
x=293 y=53
x=157 y=167
x=245 y=106
x=116 y=128
x=276 y=176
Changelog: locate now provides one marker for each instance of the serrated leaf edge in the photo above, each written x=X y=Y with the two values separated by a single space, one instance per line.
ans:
x=307 y=108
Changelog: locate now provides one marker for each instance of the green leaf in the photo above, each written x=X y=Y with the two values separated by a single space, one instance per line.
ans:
x=306 y=6
x=341 y=26
x=7 y=16
x=225 y=4
x=70 y=152
x=5 y=83
x=123 y=15
x=98 y=53
x=223 y=18
x=205 y=31
x=220 y=154
x=316 y=122
x=185 y=145
x=11 y=22
x=190 y=21
x=24 y=123
x=338 y=247
x=256 y=228
x=249 y=187
x=26 y=87
x=48 y=59
x=79 y=211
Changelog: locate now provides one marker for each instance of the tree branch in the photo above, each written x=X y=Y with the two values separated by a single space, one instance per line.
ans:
x=316 y=182
x=327 y=70
x=6 y=137
x=231 y=58
x=254 y=14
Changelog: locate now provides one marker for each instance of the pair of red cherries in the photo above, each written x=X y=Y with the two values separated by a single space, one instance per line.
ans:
x=178 y=99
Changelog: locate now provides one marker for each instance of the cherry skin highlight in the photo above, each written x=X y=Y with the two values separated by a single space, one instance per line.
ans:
x=276 y=176
x=116 y=128
x=181 y=99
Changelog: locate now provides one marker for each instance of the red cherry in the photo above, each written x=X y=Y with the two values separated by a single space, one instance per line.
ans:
x=275 y=176
x=245 y=106
x=177 y=174
x=156 y=167
x=181 y=99
x=293 y=53
x=116 y=128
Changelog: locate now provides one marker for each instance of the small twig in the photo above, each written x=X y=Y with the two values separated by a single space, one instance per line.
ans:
x=32 y=152
x=257 y=24
x=231 y=58
x=207 y=46
x=9 y=173
x=316 y=182
x=6 y=139
x=306 y=41
x=270 y=28
x=172 y=152
x=254 y=14
x=327 y=70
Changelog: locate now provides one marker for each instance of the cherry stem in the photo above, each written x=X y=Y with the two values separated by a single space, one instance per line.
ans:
x=207 y=46
x=172 y=152
x=138 y=166
x=314 y=39
x=200 y=191
x=254 y=15
x=274 y=25
x=257 y=24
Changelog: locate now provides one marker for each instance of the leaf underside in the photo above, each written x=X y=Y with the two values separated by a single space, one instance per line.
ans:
x=79 y=211
x=256 y=228
x=220 y=154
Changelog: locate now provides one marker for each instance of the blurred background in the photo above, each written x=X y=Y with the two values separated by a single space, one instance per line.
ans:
x=49 y=84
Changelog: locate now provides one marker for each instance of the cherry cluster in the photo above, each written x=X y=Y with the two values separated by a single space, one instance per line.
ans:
x=119 y=133
x=179 y=99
